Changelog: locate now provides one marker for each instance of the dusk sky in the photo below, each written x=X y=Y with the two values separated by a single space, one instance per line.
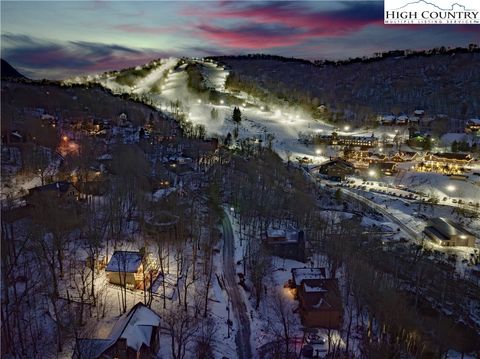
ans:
x=59 y=39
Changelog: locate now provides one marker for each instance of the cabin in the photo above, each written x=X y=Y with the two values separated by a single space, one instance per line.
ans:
x=61 y=189
x=134 y=335
x=286 y=243
x=300 y=274
x=336 y=169
x=447 y=233
x=125 y=268
x=320 y=303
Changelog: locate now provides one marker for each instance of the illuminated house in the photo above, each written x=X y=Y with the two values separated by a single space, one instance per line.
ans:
x=450 y=163
x=125 y=268
x=448 y=233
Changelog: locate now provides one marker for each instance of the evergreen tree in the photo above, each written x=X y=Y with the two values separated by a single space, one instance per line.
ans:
x=454 y=146
x=237 y=115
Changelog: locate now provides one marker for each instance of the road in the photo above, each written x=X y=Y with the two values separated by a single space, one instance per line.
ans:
x=410 y=232
x=242 y=338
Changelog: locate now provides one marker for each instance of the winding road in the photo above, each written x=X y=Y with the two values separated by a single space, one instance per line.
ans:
x=242 y=338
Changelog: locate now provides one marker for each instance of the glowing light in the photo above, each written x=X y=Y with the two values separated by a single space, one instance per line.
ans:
x=244 y=104
x=346 y=128
x=232 y=209
x=319 y=130
x=65 y=138
x=262 y=108
x=199 y=101
x=222 y=102
x=372 y=173
x=451 y=188
x=318 y=152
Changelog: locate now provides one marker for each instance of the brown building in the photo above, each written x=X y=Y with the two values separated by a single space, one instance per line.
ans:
x=320 y=303
x=286 y=243
x=336 y=169
x=134 y=336
x=448 y=233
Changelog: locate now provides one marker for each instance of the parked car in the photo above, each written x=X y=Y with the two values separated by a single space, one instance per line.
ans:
x=315 y=339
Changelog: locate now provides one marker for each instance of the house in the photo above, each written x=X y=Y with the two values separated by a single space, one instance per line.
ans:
x=320 y=303
x=134 y=335
x=61 y=189
x=472 y=125
x=286 y=243
x=300 y=274
x=336 y=169
x=448 y=233
x=126 y=268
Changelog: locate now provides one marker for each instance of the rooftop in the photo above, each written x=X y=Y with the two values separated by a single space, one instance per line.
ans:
x=124 y=261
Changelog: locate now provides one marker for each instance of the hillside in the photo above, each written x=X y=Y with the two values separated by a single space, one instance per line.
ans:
x=442 y=83
x=8 y=71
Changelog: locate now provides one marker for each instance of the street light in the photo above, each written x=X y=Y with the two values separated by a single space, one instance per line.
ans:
x=318 y=152
x=221 y=102
x=347 y=128
x=451 y=188
x=372 y=173
x=65 y=138
x=199 y=101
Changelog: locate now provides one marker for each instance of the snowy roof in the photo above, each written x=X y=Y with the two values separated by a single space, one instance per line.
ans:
x=474 y=121
x=301 y=274
x=314 y=288
x=136 y=327
x=275 y=233
x=320 y=294
x=290 y=233
x=124 y=261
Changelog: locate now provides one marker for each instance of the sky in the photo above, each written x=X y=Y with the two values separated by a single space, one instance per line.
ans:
x=60 y=39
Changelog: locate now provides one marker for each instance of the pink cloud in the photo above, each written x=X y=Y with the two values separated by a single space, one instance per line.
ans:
x=304 y=23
